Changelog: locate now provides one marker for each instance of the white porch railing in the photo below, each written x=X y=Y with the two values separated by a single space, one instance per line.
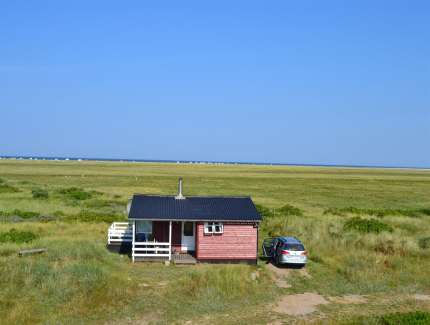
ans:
x=120 y=232
x=151 y=249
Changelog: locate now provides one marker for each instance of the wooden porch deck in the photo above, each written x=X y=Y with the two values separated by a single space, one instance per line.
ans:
x=183 y=259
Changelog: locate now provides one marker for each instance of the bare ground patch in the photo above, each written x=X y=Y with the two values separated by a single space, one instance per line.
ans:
x=422 y=297
x=280 y=275
x=300 y=304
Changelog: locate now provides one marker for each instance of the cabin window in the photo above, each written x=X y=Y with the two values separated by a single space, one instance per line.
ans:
x=214 y=228
x=144 y=227
x=188 y=229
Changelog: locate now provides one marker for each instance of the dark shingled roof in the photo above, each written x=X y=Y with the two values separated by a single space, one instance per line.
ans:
x=197 y=208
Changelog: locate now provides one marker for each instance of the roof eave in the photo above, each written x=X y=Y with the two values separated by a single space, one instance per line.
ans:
x=198 y=220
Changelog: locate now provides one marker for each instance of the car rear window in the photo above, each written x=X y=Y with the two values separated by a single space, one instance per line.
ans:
x=294 y=247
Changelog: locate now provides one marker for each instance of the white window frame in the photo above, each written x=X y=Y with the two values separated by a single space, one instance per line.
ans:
x=210 y=228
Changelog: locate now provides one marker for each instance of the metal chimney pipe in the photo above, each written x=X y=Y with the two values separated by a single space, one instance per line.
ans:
x=180 y=195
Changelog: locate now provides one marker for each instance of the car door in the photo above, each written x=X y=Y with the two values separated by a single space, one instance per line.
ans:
x=277 y=247
x=267 y=247
x=273 y=248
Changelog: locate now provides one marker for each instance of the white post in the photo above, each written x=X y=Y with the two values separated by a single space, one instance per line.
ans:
x=132 y=241
x=170 y=240
x=109 y=234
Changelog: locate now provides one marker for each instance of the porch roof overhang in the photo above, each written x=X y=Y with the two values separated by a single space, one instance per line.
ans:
x=198 y=208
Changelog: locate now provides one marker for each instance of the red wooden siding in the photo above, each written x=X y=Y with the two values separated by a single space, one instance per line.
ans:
x=238 y=242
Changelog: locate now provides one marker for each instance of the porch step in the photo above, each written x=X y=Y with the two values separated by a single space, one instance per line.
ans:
x=183 y=259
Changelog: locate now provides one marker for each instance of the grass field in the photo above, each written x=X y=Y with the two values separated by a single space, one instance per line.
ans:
x=367 y=232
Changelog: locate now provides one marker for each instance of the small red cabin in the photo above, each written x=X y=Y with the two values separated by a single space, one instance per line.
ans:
x=208 y=228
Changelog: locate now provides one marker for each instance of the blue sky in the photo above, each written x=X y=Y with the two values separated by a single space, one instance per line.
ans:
x=330 y=82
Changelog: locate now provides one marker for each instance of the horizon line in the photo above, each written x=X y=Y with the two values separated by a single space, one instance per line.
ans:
x=77 y=158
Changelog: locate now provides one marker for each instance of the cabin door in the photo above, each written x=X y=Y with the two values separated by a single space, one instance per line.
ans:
x=188 y=236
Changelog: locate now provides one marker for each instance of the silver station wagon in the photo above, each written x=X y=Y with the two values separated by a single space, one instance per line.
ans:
x=285 y=250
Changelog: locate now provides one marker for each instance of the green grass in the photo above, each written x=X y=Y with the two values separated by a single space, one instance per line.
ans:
x=412 y=318
x=78 y=281
x=378 y=212
x=409 y=318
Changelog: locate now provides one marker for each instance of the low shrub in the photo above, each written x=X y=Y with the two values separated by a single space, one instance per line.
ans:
x=289 y=210
x=75 y=193
x=16 y=236
x=39 y=193
x=424 y=242
x=25 y=214
x=20 y=213
x=366 y=225
x=5 y=188
x=425 y=211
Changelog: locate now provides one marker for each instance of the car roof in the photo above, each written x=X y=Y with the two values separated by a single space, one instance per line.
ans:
x=290 y=240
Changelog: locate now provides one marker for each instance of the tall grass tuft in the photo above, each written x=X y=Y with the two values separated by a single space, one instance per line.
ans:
x=219 y=287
